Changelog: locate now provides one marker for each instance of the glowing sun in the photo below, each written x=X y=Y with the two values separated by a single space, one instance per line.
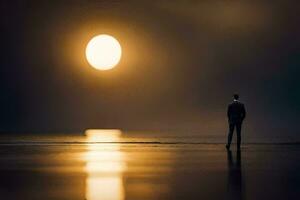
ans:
x=103 y=52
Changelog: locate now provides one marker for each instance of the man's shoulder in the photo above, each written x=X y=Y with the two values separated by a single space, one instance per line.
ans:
x=241 y=105
x=236 y=103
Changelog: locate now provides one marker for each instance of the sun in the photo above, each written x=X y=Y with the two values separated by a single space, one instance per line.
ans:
x=103 y=52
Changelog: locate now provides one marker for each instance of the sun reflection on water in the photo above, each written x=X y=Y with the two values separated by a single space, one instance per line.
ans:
x=105 y=165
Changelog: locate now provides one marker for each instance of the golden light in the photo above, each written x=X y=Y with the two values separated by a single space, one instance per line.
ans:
x=103 y=52
x=105 y=164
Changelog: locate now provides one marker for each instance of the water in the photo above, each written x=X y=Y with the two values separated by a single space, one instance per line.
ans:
x=112 y=164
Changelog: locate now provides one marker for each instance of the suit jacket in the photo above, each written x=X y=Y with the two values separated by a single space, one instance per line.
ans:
x=236 y=112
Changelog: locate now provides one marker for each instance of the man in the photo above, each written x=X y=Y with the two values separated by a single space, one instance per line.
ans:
x=236 y=113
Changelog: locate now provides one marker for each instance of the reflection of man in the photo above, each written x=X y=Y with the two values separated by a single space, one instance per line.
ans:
x=234 y=177
x=236 y=113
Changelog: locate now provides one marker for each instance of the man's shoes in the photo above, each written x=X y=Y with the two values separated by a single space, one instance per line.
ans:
x=227 y=147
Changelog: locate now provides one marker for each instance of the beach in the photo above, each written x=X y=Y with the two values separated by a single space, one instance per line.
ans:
x=106 y=166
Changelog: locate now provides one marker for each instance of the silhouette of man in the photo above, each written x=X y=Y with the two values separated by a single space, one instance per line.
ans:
x=236 y=113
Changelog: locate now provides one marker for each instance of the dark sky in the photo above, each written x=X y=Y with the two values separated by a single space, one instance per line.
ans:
x=182 y=61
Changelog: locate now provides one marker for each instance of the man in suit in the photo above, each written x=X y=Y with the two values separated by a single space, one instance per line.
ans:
x=236 y=113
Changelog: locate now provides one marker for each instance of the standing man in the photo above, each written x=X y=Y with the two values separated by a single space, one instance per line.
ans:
x=236 y=113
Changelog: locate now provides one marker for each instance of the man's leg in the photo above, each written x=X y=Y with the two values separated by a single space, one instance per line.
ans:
x=238 y=135
x=231 y=129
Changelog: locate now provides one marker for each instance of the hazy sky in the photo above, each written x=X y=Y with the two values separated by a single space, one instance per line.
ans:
x=182 y=61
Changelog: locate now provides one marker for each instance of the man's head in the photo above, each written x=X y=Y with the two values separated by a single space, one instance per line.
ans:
x=236 y=96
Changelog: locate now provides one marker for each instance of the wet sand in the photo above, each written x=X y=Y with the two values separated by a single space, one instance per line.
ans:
x=148 y=170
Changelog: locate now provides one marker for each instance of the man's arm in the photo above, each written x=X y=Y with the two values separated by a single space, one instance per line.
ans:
x=243 y=112
x=228 y=111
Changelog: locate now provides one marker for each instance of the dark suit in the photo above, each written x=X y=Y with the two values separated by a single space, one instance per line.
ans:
x=236 y=113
